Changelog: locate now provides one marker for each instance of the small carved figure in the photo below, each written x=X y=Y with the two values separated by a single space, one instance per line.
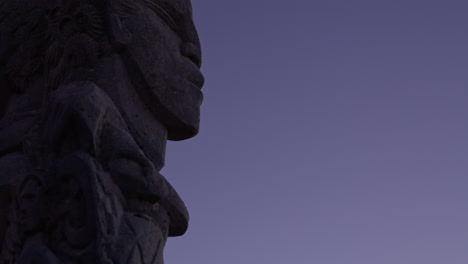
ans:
x=32 y=212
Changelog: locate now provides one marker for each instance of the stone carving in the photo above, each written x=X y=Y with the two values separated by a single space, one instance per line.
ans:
x=90 y=91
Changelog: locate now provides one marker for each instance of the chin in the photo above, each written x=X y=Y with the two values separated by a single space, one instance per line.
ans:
x=183 y=128
x=180 y=114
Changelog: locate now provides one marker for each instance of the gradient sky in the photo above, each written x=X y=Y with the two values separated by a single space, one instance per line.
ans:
x=333 y=132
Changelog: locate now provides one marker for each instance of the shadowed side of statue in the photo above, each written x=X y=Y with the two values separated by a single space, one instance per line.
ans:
x=90 y=91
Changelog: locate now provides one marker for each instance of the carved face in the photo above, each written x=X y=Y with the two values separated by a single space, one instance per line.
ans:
x=163 y=59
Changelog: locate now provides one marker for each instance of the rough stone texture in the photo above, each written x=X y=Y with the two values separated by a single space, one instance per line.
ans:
x=90 y=91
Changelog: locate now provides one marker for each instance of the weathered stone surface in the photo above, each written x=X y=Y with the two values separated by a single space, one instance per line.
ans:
x=90 y=91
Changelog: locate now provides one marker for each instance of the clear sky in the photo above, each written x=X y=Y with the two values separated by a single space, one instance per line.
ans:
x=333 y=132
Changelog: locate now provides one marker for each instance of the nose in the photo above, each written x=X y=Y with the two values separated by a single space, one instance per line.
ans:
x=192 y=52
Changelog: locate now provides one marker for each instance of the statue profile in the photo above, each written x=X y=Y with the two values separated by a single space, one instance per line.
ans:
x=90 y=91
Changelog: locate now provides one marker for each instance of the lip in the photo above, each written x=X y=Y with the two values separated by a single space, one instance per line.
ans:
x=197 y=92
x=197 y=79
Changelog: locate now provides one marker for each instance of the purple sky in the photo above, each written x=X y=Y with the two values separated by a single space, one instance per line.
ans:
x=333 y=132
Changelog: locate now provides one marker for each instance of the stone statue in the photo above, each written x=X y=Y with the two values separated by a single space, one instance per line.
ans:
x=90 y=91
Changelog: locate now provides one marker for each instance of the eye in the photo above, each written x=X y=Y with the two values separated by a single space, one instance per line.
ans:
x=163 y=14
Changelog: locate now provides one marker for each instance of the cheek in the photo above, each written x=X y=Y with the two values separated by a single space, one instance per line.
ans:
x=154 y=40
x=156 y=51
